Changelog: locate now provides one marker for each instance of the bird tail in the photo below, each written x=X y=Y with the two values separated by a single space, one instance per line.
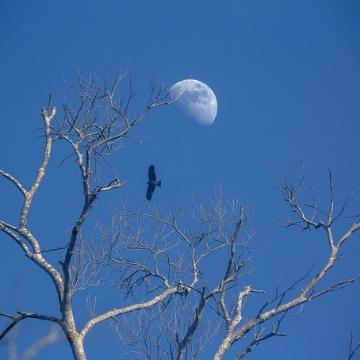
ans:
x=158 y=183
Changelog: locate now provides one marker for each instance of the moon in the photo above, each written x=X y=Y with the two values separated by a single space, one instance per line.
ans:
x=196 y=99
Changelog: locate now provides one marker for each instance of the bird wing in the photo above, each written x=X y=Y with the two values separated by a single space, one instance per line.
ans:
x=150 y=190
x=152 y=175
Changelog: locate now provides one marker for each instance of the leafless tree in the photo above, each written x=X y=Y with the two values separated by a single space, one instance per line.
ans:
x=93 y=124
x=155 y=250
x=159 y=261
x=182 y=320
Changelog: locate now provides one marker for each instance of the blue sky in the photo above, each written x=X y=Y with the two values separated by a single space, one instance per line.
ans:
x=286 y=75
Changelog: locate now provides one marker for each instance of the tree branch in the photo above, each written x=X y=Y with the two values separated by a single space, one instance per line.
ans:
x=29 y=195
x=16 y=182
x=120 y=311
x=308 y=292
x=22 y=316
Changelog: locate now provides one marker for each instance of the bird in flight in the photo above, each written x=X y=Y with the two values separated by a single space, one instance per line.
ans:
x=152 y=183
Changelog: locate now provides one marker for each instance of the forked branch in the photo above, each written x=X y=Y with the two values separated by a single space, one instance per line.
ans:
x=236 y=331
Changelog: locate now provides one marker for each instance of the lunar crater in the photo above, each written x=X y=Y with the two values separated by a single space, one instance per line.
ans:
x=196 y=99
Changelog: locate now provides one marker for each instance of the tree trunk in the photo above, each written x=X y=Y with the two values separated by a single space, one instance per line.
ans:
x=75 y=340
x=223 y=348
x=77 y=347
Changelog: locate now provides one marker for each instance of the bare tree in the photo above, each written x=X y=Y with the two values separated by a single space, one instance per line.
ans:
x=92 y=125
x=182 y=321
x=158 y=261
x=275 y=310
x=177 y=248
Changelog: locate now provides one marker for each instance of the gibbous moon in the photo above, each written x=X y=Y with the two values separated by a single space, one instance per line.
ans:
x=196 y=99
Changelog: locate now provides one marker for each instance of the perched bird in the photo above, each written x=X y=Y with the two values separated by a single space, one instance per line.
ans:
x=152 y=183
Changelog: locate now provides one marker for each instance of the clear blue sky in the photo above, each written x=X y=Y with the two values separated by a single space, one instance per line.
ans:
x=287 y=77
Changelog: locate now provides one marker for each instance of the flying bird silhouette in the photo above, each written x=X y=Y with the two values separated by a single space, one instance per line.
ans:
x=152 y=183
